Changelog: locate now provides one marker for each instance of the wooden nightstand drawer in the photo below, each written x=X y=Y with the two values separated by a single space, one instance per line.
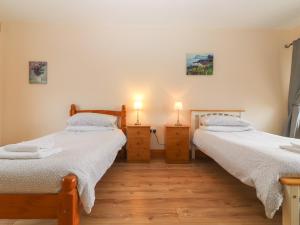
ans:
x=177 y=132
x=138 y=144
x=138 y=156
x=142 y=143
x=138 y=132
x=179 y=155
x=177 y=144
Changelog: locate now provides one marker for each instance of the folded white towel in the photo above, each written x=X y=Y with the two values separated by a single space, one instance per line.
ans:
x=21 y=148
x=30 y=146
x=291 y=148
x=28 y=155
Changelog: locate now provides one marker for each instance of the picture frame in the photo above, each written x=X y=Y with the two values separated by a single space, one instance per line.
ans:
x=200 y=64
x=38 y=72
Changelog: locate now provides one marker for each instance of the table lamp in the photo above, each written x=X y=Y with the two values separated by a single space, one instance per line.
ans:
x=178 y=107
x=138 y=106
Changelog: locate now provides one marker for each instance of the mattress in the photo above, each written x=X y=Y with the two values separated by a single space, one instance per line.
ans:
x=86 y=154
x=255 y=158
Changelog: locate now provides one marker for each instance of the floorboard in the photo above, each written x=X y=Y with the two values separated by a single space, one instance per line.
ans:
x=162 y=194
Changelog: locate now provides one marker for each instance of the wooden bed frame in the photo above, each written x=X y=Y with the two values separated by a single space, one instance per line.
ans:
x=291 y=185
x=63 y=206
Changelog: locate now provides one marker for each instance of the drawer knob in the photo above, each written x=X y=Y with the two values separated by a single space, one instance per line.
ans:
x=138 y=143
x=138 y=132
x=177 y=133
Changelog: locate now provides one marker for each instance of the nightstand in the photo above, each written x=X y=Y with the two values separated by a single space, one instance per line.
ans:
x=177 y=144
x=138 y=143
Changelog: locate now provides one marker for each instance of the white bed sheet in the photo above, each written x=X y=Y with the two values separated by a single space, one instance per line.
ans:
x=86 y=154
x=254 y=157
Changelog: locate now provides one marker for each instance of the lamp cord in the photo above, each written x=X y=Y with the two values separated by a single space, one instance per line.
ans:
x=157 y=139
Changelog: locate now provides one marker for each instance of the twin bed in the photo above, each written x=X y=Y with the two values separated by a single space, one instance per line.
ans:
x=256 y=159
x=51 y=187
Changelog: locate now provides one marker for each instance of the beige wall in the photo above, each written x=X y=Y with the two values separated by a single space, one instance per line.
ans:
x=1 y=84
x=104 y=67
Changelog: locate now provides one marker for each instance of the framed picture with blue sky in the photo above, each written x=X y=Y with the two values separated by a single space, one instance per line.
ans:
x=200 y=64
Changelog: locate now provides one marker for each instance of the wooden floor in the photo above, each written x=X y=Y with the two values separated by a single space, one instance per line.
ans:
x=163 y=194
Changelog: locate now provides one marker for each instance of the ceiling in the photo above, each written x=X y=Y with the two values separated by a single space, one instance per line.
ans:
x=196 y=13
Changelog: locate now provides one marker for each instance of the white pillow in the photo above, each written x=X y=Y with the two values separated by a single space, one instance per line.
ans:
x=226 y=128
x=222 y=120
x=92 y=119
x=87 y=128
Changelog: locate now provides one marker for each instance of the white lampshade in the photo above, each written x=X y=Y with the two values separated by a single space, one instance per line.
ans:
x=138 y=105
x=178 y=105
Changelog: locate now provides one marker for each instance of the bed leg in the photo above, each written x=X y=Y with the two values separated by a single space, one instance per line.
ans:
x=193 y=149
x=68 y=213
x=290 y=208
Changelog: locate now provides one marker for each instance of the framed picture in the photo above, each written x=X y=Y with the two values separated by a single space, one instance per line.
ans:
x=37 y=72
x=200 y=64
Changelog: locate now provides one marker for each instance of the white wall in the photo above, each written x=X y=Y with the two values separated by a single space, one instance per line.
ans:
x=1 y=84
x=104 y=67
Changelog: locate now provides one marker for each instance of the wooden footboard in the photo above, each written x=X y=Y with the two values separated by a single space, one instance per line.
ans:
x=63 y=206
x=291 y=206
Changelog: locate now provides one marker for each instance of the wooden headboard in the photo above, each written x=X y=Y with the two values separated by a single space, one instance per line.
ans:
x=120 y=114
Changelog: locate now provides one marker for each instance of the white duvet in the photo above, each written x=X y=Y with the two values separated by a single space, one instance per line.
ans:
x=255 y=158
x=86 y=154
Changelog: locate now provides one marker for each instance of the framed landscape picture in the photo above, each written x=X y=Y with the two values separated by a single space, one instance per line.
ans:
x=37 y=72
x=200 y=64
